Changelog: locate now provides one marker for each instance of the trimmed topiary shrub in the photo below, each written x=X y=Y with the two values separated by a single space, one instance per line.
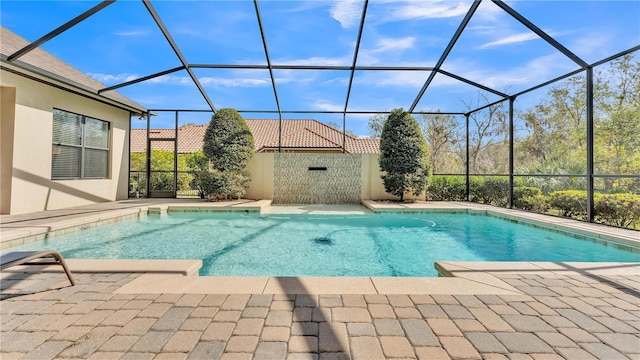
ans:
x=617 y=209
x=228 y=147
x=228 y=142
x=447 y=188
x=404 y=155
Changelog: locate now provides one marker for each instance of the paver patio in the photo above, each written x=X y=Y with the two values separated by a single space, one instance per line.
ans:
x=538 y=311
x=579 y=316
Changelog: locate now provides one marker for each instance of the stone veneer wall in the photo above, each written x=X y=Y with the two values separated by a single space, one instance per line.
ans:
x=294 y=183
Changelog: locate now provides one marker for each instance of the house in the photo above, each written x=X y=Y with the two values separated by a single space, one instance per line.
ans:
x=65 y=143
x=298 y=135
x=62 y=143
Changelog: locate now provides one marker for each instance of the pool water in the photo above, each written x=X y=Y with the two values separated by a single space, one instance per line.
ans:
x=248 y=244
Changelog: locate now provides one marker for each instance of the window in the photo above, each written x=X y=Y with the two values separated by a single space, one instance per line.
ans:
x=80 y=147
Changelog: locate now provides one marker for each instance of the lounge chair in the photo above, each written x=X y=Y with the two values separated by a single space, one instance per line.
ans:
x=27 y=258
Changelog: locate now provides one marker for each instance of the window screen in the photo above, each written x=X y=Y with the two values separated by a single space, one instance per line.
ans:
x=80 y=147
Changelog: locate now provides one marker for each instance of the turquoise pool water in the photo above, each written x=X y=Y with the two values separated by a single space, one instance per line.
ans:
x=297 y=245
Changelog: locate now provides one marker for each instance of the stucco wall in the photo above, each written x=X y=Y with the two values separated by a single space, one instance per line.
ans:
x=31 y=186
x=373 y=187
x=285 y=178
x=261 y=170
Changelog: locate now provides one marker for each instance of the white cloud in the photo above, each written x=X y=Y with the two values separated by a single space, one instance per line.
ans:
x=316 y=60
x=234 y=82
x=483 y=28
x=171 y=80
x=532 y=73
x=489 y=12
x=346 y=12
x=429 y=10
x=111 y=79
x=383 y=45
x=403 y=79
x=131 y=33
x=186 y=80
x=511 y=39
x=386 y=44
x=327 y=106
x=590 y=44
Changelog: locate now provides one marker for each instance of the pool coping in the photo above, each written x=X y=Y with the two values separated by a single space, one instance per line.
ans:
x=457 y=278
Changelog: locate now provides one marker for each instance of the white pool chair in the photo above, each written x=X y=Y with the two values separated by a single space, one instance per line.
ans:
x=27 y=258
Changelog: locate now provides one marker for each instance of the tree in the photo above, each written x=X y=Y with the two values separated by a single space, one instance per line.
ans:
x=335 y=125
x=617 y=121
x=442 y=132
x=228 y=145
x=556 y=130
x=376 y=123
x=555 y=141
x=488 y=138
x=404 y=155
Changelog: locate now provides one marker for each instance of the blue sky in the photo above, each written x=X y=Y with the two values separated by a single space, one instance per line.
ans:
x=122 y=43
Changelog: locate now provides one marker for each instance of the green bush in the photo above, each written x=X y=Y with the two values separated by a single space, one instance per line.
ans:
x=228 y=142
x=489 y=190
x=617 y=209
x=570 y=203
x=538 y=203
x=228 y=147
x=447 y=188
x=218 y=185
x=528 y=198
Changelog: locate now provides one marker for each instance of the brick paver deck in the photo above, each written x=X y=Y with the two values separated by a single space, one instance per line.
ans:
x=558 y=316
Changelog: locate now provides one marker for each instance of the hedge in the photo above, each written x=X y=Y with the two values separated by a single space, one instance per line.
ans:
x=489 y=190
x=570 y=203
x=529 y=198
x=447 y=188
x=621 y=210
x=617 y=209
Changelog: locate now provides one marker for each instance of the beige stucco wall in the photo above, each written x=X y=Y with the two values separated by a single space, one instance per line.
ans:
x=293 y=180
x=31 y=186
x=261 y=170
x=372 y=185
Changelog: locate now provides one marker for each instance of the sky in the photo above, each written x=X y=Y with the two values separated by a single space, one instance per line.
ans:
x=122 y=43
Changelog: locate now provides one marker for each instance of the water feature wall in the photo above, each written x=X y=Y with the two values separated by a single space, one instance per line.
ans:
x=312 y=178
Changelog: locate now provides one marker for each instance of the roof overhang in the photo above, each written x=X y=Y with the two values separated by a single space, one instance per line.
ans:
x=46 y=77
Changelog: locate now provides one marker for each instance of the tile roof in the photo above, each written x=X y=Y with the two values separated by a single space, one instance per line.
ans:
x=297 y=134
x=48 y=65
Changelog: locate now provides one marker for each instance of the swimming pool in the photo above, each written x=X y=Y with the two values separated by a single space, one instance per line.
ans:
x=247 y=244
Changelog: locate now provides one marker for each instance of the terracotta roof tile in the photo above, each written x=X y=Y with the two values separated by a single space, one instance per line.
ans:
x=296 y=134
